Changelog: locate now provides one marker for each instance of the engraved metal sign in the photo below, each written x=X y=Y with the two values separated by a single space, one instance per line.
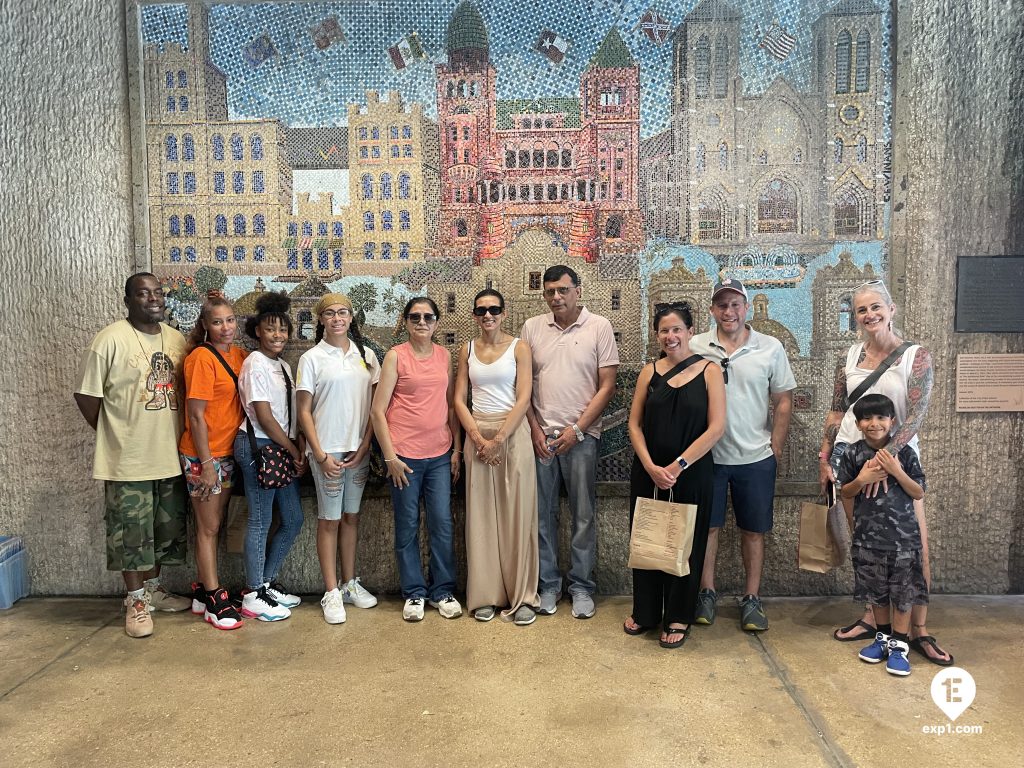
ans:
x=988 y=294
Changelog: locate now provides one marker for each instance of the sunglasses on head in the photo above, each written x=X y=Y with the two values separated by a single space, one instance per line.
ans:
x=426 y=317
x=492 y=310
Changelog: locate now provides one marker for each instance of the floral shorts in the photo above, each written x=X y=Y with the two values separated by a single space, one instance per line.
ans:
x=192 y=468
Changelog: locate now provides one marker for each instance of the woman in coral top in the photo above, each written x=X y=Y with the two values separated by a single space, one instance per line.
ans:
x=415 y=426
x=213 y=413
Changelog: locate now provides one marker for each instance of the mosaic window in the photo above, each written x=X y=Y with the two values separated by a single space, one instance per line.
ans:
x=172 y=148
x=293 y=229
x=238 y=182
x=259 y=224
x=337 y=255
x=723 y=156
x=863 y=82
x=843 y=62
x=307 y=259
x=236 y=146
x=293 y=259
x=404 y=186
x=239 y=253
x=170 y=79
x=259 y=253
x=321 y=229
x=307 y=229
x=188 y=147
x=190 y=182
x=369 y=251
x=239 y=224
x=220 y=226
x=403 y=251
x=386 y=221
x=368 y=221
x=862 y=149
x=182 y=79
x=174 y=225
x=702 y=67
x=777 y=208
x=183 y=104
x=837 y=151
x=385 y=251
x=385 y=186
x=339 y=229
x=170 y=107
x=367 y=186
x=172 y=184
x=221 y=253
x=190 y=253
x=721 y=66
x=190 y=225
x=256 y=147
x=217 y=143
x=175 y=254
x=322 y=260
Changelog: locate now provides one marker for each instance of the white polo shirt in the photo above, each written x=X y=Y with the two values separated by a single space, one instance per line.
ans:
x=341 y=384
x=756 y=371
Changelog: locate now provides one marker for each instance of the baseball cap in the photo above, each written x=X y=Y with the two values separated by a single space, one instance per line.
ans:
x=729 y=284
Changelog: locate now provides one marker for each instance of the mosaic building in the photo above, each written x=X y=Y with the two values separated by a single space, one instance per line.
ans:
x=782 y=166
x=217 y=189
x=567 y=166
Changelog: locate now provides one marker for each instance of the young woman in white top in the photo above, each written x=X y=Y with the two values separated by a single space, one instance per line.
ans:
x=264 y=386
x=333 y=393
x=501 y=477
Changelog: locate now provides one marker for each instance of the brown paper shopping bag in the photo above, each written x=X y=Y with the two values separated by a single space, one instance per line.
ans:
x=662 y=535
x=818 y=549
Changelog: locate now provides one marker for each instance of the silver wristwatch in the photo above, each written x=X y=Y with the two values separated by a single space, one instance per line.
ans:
x=579 y=432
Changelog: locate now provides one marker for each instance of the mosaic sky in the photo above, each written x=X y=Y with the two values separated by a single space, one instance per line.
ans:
x=304 y=86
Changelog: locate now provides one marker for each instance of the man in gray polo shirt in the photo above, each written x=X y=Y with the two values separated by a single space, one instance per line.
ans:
x=757 y=373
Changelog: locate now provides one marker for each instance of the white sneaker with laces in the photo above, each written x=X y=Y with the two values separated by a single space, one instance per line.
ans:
x=448 y=607
x=282 y=595
x=413 y=610
x=260 y=605
x=356 y=594
x=334 y=607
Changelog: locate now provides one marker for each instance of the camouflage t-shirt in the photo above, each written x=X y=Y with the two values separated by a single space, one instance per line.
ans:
x=885 y=521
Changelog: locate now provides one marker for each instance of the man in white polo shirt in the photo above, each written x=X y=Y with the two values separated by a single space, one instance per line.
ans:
x=575 y=360
x=757 y=373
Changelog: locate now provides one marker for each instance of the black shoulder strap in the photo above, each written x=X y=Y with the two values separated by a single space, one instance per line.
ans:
x=223 y=362
x=679 y=368
x=248 y=424
x=876 y=374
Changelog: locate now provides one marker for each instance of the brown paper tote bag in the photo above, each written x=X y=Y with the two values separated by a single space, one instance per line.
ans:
x=818 y=550
x=662 y=535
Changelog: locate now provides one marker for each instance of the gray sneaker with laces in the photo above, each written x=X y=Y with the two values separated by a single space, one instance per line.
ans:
x=752 y=616
x=707 y=607
x=524 y=615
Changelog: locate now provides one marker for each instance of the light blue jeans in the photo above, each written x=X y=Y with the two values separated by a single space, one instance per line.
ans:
x=262 y=562
x=578 y=470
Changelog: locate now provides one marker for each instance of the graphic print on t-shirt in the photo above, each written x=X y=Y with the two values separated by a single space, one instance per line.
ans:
x=160 y=383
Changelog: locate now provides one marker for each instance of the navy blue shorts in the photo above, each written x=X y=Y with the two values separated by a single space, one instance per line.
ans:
x=753 y=494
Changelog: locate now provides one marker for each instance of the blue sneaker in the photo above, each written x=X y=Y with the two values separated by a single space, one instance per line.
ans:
x=898 y=663
x=876 y=652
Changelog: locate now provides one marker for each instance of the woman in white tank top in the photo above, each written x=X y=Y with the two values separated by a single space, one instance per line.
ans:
x=908 y=383
x=496 y=370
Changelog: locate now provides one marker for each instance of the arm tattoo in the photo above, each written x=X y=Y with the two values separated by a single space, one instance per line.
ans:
x=840 y=396
x=919 y=393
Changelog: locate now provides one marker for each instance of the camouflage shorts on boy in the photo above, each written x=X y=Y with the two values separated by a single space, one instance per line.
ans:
x=145 y=523
x=882 y=577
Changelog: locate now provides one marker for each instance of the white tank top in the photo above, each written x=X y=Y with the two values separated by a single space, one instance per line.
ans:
x=892 y=384
x=494 y=384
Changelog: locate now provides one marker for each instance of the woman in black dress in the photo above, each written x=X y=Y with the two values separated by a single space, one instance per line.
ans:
x=678 y=413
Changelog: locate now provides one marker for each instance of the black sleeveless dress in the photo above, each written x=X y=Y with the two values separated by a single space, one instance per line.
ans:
x=673 y=418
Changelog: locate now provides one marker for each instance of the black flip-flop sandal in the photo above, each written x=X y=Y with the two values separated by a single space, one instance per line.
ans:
x=640 y=629
x=674 y=631
x=918 y=644
x=868 y=633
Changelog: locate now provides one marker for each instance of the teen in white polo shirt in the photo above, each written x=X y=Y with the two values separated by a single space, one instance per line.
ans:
x=334 y=389
x=757 y=373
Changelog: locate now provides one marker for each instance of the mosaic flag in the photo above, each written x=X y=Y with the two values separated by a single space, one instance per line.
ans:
x=778 y=42
x=655 y=26
x=326 y=33
x=552 y=45
x=407 y=51
x=259 y=49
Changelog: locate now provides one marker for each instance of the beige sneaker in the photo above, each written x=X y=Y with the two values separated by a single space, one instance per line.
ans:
x=162 y=600
x=137 y=621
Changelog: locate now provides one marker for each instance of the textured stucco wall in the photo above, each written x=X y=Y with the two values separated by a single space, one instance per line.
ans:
x=66 y=243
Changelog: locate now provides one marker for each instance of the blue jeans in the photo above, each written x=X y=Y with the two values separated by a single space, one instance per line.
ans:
x=262 y=562
x=578 y=469
x=431 y=479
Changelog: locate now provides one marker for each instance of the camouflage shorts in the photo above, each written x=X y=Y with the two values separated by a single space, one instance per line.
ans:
x=889 y=578
x=145 y=524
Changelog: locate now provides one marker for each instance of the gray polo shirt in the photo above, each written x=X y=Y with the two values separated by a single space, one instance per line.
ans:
x=757 y=370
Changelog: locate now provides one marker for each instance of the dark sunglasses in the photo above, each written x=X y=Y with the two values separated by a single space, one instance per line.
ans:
x=426 y=317
x=492 y=310
x=724 y=362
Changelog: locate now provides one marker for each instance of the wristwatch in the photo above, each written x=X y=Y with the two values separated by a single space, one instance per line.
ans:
x=579 y=432
x=682 y=462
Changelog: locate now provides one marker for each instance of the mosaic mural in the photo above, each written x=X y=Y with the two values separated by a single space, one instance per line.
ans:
x=389 y=149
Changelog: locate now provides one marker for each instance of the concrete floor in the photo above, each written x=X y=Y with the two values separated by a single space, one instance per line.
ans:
x=75 y=690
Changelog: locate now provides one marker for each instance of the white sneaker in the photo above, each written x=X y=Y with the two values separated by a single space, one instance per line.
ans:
x=355 y=593
x=334 y=607
x=260 y=605
x=282 y=595
x=448 y=607
x=413 y=610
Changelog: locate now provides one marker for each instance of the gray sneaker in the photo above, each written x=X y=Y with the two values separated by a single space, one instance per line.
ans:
x=582 y=606
x=548 y=603
x=707 y=607
x=486 y=613
x=524 y=615
x=752 y=617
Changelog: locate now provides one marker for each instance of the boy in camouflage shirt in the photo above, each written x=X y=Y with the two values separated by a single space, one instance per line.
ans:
x=886 y=549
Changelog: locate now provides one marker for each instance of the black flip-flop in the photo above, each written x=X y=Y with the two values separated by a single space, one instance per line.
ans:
x=918 y=644
x=674 y=631
x=868 y=633
x=640 y=629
